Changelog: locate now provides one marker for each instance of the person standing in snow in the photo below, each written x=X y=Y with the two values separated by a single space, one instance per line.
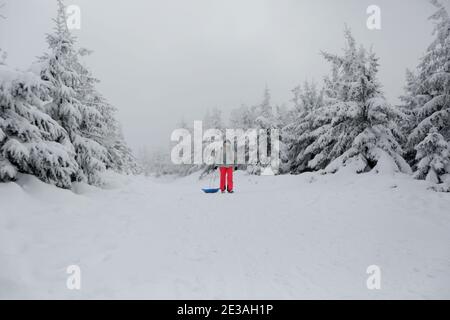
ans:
x=226 y=169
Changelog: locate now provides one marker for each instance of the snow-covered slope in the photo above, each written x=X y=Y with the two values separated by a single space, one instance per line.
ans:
x=291 y=237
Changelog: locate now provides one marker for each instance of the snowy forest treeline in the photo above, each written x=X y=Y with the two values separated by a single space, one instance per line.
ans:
x=54 y=124
x=347 y=121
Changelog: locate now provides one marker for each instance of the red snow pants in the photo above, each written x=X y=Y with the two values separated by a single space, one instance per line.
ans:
x=226 y=176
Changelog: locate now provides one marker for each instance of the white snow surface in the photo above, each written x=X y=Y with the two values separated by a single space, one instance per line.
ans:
x=278 y=237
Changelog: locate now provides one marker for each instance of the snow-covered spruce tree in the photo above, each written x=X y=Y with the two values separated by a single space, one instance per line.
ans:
x=282 y=117
x=265 y=116
x=428 y=95
x=297 y=133
x=73 y=104
x=61 y=69
x=243 y=118
x=120 y=156
x=31 y=142
x=265 y=120
x=433 y=157
x=410 y=122
x=356 y=127
x=103 y=126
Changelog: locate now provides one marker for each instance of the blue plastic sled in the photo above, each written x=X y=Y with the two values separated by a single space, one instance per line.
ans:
x=211 y=190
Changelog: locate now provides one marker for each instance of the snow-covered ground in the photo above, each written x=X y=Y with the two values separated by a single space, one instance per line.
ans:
x=287 y=237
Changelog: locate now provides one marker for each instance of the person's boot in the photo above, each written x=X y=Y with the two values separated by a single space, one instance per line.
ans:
x=230 y=191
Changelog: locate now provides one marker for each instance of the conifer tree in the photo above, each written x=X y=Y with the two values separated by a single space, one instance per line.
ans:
x=87 y=117
x=297 y=134
x=62 y=70
x=103 y=126
x=356 y=127
x=428 y=96
x=433 y=159
x=31 y=142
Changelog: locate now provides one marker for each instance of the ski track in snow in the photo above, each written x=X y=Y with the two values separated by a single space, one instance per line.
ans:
x=287 y=237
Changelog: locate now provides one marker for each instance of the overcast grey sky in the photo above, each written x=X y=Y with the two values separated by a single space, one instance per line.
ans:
x=161 y=60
